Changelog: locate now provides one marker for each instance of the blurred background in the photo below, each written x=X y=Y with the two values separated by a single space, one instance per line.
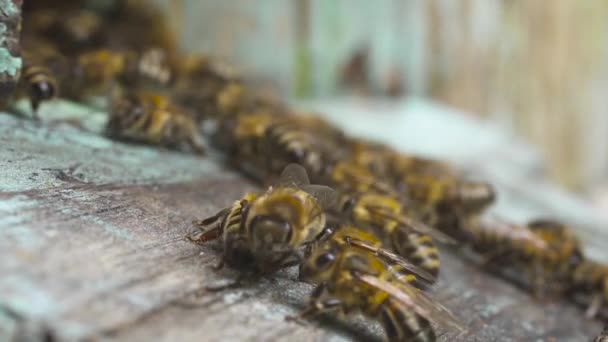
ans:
x=537 y=69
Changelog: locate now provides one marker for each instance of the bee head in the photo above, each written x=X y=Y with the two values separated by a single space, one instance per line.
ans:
x=270 y=233
x=238 y=255
x=318 y=263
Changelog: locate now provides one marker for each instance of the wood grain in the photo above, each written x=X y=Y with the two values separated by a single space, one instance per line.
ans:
x=97 y=252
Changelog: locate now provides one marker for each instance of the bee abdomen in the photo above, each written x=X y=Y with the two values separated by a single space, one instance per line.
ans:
x=402 y=324
x=421 y=249
x=41 y=84
x=295 y=145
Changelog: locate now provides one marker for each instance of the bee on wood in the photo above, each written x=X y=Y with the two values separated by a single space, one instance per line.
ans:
x=214 y=88
x=285 y=142
x=38 y=83
x=401 y=165
x=151 y=118
x=350 y=176
x=542 y=255
x=262 y=144
x=75 y=31
x=242 y=139
x=43 y=67
x=96 y=72
x=384 y=215
x=72 y=30
x=468 y=197
x=139 y=25
x=267 y=232
x=446 y=203
x=589 y=285
x=355 y=280
x=362 y=238
x=371 y=155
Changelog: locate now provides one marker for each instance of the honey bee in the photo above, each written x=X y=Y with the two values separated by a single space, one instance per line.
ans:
x=287 y=143
x=214 y=88
x=355 y=280
x=72 y=30
x=446 y=203
x=543 y=254
x=242 y=139
x=267 y=232
x=262 y=144
x=95 y=72
x=38 y=83
x=76 y=30
x=373 y=156
x=384 y=215
x=40 y=75
x=404 y=267
x=349 y=176
x=401 y=164
x=151 y=118
x=590 y=285
x=139 y=25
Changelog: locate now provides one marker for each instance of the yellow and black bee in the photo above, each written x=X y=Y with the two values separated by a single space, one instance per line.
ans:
x=353 y=280
x=266 y=232
x=152 y=119
x=541 y=255
x=384 y=216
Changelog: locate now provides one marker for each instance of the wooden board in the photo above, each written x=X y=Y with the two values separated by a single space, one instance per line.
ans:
x=92 y=247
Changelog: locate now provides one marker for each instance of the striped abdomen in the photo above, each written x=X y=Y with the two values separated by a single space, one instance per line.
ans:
x=403 y=324
x=419 y=248
x=39 y=84
x=295 y=145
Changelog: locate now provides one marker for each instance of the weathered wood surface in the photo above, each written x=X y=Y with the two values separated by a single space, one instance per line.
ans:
x=92 y=247
x=10 y=59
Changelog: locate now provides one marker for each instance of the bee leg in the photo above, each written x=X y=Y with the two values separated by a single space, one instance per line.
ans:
x=215 y=219
x=35 y=104
x=594 y=306
x=210 y=227
x=316 y=306
x=202 y=237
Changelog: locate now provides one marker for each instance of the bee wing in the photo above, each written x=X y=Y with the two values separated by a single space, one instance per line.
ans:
x=415 y=299
x=326 y=196
x=294 y=175
x=426 y=277
x=414 y=225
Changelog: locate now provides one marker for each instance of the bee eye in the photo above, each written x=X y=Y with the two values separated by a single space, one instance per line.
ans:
x=324 y=260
